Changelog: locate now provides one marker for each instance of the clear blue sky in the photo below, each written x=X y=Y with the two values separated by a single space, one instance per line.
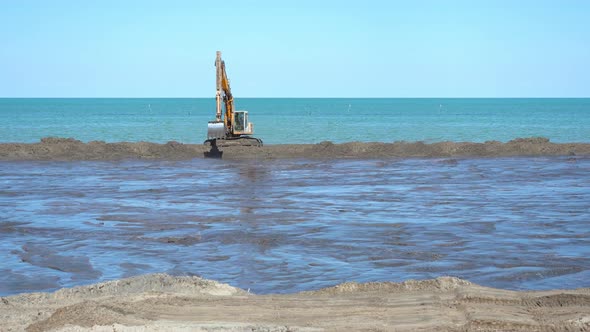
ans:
x=363 y=48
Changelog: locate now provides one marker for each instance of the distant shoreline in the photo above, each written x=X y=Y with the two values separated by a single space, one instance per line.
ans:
x=69 y=149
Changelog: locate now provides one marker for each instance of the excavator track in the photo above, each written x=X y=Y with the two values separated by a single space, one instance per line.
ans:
x=238 y=141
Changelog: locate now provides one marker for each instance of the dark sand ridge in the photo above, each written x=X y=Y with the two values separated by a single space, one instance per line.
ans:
x=51 y=148
x=160 y=302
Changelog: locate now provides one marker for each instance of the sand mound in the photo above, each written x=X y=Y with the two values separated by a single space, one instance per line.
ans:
x=441 y=284
x=160 y=302
x=144 y=284
x=52 y=148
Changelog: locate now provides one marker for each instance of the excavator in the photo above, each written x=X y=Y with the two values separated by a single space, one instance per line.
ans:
x=230 y=128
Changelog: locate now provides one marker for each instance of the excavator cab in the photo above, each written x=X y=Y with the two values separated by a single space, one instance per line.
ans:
x=241 y=125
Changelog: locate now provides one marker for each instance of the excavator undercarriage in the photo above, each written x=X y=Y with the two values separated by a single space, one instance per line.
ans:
x=236 y=141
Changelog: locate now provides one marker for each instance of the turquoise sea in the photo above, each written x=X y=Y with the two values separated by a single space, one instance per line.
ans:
x=301 y=120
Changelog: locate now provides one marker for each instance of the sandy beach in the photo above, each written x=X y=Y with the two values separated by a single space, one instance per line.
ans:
x=52 y=148
x=160 y=302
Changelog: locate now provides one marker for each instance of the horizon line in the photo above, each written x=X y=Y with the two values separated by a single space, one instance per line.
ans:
x=213 y=97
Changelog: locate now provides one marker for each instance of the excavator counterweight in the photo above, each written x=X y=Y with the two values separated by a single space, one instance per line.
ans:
x=230 y=127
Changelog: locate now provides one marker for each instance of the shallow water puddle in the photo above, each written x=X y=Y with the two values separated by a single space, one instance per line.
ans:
x=292 y=225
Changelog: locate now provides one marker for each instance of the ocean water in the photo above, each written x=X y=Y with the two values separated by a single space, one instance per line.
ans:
x=300 y=120
x=293 y=225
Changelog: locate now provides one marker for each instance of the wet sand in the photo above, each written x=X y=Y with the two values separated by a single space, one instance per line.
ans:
x=52 y=148
x=159 y=302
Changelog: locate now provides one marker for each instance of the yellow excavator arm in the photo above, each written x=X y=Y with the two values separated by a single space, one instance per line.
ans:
x=228 y=99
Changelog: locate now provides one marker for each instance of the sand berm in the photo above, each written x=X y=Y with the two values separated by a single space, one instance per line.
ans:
x=159 y=302
x=53 y=148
